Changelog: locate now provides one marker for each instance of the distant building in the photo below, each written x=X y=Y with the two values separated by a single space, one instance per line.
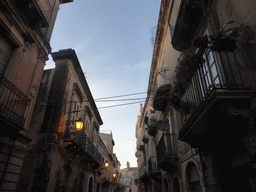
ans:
x=107 y=177
x=25 y=32
x=129 y=175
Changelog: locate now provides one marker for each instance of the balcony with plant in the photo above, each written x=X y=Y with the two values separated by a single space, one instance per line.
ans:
x=213 y=89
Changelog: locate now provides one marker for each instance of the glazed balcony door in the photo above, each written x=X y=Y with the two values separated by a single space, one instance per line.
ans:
x=5 y=53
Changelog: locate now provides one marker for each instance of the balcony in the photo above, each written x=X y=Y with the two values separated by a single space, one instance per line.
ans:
x=153 y=170
x=37 y=12
x=14 y=105
x=152 y=129
x=143 y=173
x=141 y=148
x=166 y=158
x=81 y=145
x=106 y=177
x=218 y=98
x=163 y=88
x=161 y=97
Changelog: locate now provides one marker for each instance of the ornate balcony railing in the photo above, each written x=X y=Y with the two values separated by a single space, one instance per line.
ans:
x=222 y=73
x=153 y=170
x=80 y=144
x=166 y=156
x=14 y=104
x=88 y=146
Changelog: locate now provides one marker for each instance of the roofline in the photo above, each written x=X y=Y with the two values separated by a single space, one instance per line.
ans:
x=71 y=54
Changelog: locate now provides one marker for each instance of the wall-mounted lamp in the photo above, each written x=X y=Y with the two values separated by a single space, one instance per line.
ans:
x=106 y=164
x=114 y=175
x=79 y=124
x=102 y=167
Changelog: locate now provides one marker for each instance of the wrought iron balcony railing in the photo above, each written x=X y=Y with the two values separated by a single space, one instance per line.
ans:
x=221 y=73
x=152 y=164
x=88 y=146
x=14 y=104
x=153 y=170
x=166 y=156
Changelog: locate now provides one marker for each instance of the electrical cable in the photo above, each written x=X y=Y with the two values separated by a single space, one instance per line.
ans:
x=130 y=103
x=121 y=95
x=121 y=100
x=120 y=105
x=103 y=98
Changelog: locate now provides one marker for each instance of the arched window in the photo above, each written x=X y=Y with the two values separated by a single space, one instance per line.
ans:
x=81 y=182
x=64 y=177
x=90 y=184
x=57 y=183
x=98 y=188
x=176 y=185
x=193 y=178
x=166 y=188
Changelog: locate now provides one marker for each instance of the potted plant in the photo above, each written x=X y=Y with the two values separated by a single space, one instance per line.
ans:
x=152 y=129
x=224 y=40
x=186 y=68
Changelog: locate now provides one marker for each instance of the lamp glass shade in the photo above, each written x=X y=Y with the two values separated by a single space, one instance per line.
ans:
x=106 y=164
x=79 y=125
x=114 y=175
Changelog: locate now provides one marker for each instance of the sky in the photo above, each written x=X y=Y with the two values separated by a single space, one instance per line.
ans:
x=112 y=40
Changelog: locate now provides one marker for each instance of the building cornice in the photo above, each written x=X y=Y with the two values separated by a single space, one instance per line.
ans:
x=162 y=23
x=70 y=54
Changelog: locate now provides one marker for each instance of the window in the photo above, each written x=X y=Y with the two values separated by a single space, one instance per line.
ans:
x=210 y=70
x=193 y=178
x=5 y=53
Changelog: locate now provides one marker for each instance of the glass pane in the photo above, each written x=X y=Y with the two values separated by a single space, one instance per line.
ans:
x=214 y=71
x=217 y=82
x=210 y=58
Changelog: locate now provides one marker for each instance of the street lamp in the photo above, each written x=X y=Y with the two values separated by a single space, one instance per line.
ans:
x=106 y=164
x=79 y=124
x=78 y=127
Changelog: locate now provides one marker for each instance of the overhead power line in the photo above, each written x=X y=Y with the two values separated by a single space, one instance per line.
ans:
x=120 y=100
x=120 y=105
x=106 y=99
x=120 y=96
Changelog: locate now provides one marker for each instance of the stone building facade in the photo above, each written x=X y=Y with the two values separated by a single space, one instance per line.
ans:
x=129 y=175
x=198 y=132
x=109 y=181
x=60 y=158
x=25 y=32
